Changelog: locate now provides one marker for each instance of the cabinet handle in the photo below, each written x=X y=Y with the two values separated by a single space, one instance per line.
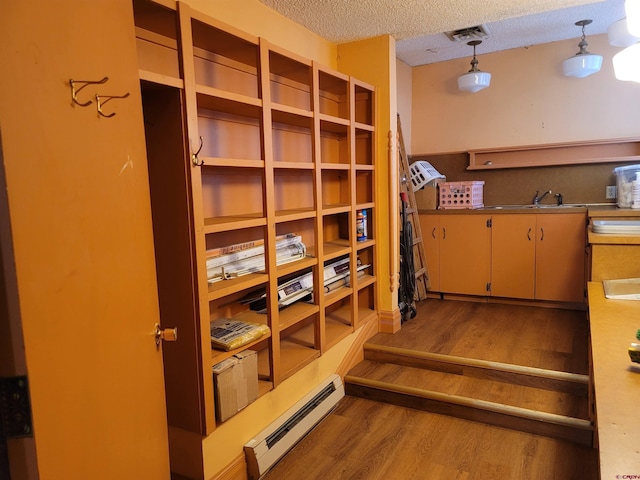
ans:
x=529 y=234
x=541 y=233
x=444 y=233
x=433 y=232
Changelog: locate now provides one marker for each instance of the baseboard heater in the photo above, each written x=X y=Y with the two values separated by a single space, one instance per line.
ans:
x=265 y=449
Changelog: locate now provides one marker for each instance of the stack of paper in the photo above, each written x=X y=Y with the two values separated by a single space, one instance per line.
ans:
x=248 y=257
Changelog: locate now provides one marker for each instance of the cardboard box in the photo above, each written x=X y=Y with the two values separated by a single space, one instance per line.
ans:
x=236 y=383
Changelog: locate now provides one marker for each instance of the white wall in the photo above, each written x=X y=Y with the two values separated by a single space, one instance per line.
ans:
x=404 y=93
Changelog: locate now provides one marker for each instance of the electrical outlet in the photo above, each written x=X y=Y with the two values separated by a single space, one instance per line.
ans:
x=610 y=192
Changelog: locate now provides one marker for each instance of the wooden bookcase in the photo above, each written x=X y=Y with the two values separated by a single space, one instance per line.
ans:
x=247 y=141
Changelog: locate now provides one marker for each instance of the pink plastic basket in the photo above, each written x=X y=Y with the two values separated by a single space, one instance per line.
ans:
x=461 y=195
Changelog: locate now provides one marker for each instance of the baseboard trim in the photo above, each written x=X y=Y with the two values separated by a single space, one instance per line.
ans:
x=236 y=470
x=390 y=321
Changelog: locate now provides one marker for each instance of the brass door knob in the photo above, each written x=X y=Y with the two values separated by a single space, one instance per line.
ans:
x=166 y=334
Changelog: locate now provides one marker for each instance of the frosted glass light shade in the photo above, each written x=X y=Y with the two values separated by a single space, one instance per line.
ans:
x=474 y=81
x=632 y=9
x=626 y=64
x=619 y=36
x=582 y=65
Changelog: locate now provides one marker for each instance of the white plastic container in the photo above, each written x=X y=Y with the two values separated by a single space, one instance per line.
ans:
x=625 y=178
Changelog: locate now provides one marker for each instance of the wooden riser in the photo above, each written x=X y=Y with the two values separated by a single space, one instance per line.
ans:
x=540 y=423
x=575 y=384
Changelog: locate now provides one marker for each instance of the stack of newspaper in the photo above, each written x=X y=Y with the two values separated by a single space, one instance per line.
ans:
x=336 y=275
x=240 y=259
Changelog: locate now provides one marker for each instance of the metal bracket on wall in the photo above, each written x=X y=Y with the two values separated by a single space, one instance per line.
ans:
x=15 y=407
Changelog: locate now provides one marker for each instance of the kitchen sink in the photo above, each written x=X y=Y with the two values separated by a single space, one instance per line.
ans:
x=529 y=206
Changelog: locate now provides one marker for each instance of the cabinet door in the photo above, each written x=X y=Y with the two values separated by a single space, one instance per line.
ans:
x=560 y=257
x=465 y=252
x=513 y=256
x=78 y=189
x=430 y=226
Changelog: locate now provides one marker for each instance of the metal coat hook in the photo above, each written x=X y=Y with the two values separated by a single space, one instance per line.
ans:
x=74 y=91
x=107 y=98
x=194 y=156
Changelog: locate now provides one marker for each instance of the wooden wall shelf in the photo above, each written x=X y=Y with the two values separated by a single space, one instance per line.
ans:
x=570 y=153
x=286 y=146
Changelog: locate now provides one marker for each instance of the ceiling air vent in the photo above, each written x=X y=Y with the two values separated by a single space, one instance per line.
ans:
x=479 y=32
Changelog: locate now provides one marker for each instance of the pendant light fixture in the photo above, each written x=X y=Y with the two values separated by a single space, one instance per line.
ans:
x=632 y=10
x=474 y=80
x=583 y=63
x=626 y=63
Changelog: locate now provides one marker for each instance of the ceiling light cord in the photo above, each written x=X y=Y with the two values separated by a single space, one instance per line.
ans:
x=583 y=40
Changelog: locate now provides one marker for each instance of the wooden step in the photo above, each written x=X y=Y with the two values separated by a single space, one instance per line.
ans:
x=573 y=383
x=563 y=427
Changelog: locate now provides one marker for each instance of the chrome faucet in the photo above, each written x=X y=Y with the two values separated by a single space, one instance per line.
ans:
x=536 y=199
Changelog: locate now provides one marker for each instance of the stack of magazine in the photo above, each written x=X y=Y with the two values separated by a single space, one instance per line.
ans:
x=336 y=275
x=240 y=259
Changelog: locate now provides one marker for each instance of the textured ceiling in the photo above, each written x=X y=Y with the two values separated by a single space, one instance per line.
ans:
x=418 y=25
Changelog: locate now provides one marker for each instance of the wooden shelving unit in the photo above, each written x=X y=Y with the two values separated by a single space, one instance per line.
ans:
x=247 y=141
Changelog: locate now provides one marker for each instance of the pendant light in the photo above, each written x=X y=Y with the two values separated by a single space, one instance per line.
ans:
x=474 y=80
x=632 y=10
x=583 y=63
x=626 y=63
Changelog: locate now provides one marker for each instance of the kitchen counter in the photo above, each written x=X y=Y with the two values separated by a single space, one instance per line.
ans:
x=593 y=210
x=616 y=383
x=501 y=210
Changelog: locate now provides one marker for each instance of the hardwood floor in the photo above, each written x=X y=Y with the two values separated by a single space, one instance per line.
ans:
x=366 y=439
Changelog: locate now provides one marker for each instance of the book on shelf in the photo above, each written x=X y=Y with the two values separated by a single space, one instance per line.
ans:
x=229 y=334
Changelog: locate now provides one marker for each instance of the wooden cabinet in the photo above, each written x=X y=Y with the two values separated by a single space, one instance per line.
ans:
x=526 y=256
x=539 y=256
x=458 y=252
x=513 y=262
x=430 y=227
x=248 y=142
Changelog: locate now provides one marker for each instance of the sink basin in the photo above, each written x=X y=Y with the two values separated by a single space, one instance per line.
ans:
x=556 y=206
x=528 y=206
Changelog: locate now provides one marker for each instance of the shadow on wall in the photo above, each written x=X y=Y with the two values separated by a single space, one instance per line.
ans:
x=577 y=183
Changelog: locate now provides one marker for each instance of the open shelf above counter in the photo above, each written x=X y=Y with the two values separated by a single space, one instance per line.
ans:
x=569 y=153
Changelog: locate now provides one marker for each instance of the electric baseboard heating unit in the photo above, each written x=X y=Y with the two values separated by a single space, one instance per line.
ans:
x=265 y=449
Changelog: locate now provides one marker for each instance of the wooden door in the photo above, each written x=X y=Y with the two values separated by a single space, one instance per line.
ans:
x=465 y=254
x=80 y=221
x=513 y=255
x=560 y=257
x=430 y=227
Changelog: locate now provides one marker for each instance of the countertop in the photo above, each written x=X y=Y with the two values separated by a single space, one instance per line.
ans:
x=616 y=383
x=592 y=210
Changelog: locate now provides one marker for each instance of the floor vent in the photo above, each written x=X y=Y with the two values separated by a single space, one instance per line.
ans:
x=265 y=449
